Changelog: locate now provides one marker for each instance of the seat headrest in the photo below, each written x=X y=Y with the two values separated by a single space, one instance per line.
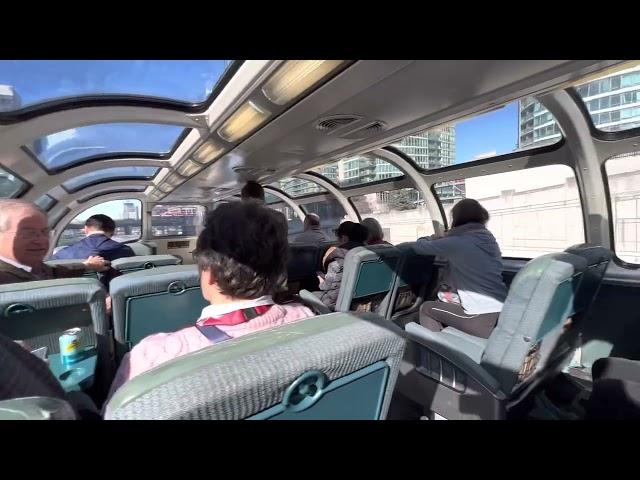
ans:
x=593 y=254
x=145 y=261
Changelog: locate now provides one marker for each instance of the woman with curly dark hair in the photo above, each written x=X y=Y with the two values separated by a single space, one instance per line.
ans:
x=242 y=259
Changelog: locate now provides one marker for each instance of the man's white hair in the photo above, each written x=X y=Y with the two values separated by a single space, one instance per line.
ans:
x=8 y=208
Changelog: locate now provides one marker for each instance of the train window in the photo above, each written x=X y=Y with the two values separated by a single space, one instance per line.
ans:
x=10 y=185
x=45 y=202
x=26 y=83
x=358 y=170
x=126 y=213
x=519 y=125
x=613 y=100
x=294 y=222
x=269 y=198
x=297 y=187
x=623 y=177
x=82 y=144
x=107 y=174
x=532 y=212
x=330 y=212
x=401 y=213
x=177 y=220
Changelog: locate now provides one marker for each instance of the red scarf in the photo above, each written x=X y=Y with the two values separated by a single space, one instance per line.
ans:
x=236 y=317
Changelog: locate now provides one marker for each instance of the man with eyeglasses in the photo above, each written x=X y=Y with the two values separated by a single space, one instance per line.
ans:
x=24 y=242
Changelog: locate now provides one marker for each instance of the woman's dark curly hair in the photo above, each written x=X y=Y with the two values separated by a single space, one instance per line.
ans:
x=466 y=211
x=245 y=246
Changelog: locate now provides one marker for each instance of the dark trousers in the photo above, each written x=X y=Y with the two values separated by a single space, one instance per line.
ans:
x=437 y=315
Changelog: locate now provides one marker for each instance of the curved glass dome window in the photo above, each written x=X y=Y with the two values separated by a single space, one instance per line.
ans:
x=109 y=174
x=28 y=84
x=67 y=148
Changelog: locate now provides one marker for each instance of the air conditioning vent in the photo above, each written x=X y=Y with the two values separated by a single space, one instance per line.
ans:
x=375 y=127
x=329 y=124
x=247 y=170
x=367 y=130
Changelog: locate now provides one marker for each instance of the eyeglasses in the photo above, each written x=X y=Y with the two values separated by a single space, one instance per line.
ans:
x=31 y=234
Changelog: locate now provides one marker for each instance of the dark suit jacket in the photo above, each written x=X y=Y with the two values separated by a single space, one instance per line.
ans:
x=11 y=274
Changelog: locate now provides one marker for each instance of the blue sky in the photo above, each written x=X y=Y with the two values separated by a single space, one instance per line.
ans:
x=494 y=131
x=40 y=80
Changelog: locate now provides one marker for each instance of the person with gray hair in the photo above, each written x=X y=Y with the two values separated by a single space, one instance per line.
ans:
x=24 y=243
x=376 y=235
x=312 y=234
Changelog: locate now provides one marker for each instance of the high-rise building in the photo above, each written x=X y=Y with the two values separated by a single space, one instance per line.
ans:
x=431 y=149
x=297 y=187
x=130 y=211
x=9 y=98
x=613 y=102
x=434 y=148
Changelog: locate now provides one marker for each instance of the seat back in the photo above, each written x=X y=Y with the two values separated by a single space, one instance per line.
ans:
x=335 y=366
x=534 y=315
x=39 y=312
x=367 y=279
x=302 y=266
x=163 y=299
x=414 y=278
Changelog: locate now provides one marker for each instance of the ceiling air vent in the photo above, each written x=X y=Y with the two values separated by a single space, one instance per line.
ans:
x=330 y=124
x=368 y=130
x=247 y=170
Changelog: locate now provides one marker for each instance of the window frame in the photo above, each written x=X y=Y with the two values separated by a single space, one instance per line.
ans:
x=172 y=204
x=583 y=211
x=612 y=229
x=26 y=186
x=67 y=210
x=595 y=131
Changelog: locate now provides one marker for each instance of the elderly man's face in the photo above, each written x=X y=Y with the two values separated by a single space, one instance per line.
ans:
x=27 y=238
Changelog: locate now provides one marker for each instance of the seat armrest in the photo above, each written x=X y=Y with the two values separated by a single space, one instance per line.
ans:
x=313 y=302
x=453 y=352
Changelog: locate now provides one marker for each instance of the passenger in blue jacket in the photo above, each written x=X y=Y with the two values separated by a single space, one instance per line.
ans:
x=98 y=230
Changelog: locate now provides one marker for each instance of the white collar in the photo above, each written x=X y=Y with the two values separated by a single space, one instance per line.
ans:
x=213 y=311
x=16 y=264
